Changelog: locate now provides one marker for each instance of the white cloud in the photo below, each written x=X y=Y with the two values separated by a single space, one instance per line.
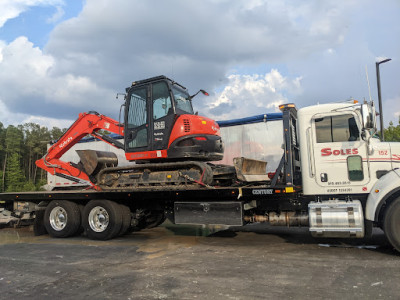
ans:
x=29 y=86
x=10 y=9
x=59 y=13
x=313 y=45
x=246 y=95
x=391 y=110
x=11 y=118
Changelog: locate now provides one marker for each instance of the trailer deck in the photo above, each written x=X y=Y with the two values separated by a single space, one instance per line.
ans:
x=190 y=192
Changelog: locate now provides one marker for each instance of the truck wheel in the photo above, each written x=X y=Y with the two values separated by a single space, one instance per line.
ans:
x=155 y=219
x=391 y=223
x=126 y=219
x=62 y=218
x=80 y=229
x=102 y=219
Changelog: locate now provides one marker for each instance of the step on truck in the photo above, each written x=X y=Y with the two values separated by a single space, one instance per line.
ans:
x=333 y=174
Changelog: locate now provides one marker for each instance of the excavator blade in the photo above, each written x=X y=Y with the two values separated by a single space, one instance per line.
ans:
x=250 y=170
x=94 y=161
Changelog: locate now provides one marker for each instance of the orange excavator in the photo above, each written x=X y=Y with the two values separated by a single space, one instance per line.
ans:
x=169 y=143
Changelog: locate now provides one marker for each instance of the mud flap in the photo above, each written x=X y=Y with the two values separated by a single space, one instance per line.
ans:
x=209 y=213
x=38 y=224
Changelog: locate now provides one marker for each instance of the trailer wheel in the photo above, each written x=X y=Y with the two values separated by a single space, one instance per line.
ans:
x=62 y=218
x=102 y=219
x=126 y=219
x=391 y=223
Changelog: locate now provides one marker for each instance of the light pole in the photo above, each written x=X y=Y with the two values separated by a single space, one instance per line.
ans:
x=378 y=80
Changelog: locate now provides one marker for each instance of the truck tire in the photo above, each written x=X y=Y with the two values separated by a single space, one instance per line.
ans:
x=102 y=219
x=62 y=218
x=126 y=219
x=391 y=224
x=155 y=219
x=80 y=229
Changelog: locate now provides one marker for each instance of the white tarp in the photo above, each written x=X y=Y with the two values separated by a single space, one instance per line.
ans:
x=262 y=141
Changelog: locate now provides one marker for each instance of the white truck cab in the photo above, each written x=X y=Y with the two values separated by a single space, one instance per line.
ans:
x=341 y=157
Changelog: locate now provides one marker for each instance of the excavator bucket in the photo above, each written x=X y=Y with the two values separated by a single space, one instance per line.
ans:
x=250 y=170
x=93 y=161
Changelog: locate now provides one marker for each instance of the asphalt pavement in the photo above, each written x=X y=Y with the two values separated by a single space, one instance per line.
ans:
x=186 y=262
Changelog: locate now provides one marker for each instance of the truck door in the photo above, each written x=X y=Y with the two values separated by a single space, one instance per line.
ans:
x=341 y=161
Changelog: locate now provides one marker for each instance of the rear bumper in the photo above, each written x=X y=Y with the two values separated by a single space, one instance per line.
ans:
x=197 y=147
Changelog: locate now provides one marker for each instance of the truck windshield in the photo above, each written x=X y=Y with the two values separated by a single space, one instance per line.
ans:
x=182 y=101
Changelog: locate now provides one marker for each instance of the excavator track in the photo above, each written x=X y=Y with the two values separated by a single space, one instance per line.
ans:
x=172 y=175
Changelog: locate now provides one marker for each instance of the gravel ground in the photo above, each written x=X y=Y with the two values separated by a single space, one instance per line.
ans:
x=183 y=262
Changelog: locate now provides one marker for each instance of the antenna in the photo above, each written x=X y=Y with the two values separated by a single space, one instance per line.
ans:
x=369 y=87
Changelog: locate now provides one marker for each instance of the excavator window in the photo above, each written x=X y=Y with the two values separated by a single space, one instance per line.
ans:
x=137 y=118
x=137 y=108
x=182 y=101
x=161 y=100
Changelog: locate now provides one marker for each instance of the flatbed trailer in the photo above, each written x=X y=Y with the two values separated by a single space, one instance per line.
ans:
x=333 y=177
x=219 y=200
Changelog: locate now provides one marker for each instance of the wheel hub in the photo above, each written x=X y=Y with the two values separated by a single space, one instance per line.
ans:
x=98 y=219
x=58 y=218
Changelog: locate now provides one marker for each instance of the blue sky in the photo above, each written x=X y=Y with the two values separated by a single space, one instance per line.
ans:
x=37 y=22
x=59 y=58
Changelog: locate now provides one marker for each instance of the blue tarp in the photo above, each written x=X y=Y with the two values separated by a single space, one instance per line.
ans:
x=250 y=120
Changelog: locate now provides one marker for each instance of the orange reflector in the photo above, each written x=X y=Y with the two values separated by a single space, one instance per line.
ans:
x=376 y=191
x=277 y=191
x=289 y=105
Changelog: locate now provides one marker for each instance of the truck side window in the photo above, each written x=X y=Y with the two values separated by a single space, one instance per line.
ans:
x=336 y=129
x=354 y=166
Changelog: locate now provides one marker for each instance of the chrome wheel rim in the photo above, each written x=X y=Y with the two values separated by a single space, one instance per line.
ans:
x=98 y=219
x=58 y=218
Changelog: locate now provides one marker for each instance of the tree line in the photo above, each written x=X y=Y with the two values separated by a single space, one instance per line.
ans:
x=22 y=145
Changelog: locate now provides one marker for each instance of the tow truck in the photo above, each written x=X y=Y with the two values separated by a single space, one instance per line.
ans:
x=334 y=176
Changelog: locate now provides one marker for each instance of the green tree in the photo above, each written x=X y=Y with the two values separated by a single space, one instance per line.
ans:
x=20 y=147
x=2 y=155
x=56 y=133
x=12 y=164
x=392 y=133
x=15 y=179
x=36 y=139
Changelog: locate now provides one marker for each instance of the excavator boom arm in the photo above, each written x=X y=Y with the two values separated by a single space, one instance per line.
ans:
x=86 y=124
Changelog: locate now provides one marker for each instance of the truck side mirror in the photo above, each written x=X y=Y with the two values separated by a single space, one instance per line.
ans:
x=368 y=116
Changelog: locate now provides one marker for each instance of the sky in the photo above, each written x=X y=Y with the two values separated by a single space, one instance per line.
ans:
x=59 y=58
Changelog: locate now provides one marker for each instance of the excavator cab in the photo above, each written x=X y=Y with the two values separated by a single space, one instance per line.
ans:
x=160 y=124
